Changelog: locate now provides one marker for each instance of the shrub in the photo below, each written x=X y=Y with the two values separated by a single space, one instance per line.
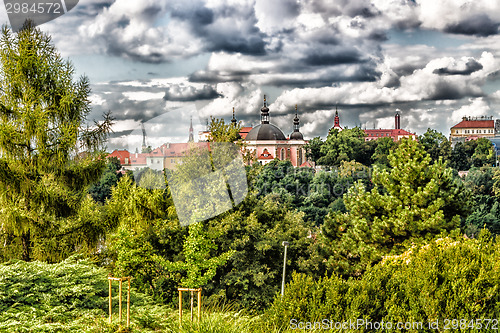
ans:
x=448 y=278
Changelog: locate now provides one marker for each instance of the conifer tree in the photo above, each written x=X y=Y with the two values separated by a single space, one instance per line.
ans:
x=44 y=210
x=416 y=199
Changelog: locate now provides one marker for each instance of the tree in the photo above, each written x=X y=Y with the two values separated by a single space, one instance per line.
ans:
x=341 y=146
x=44 y=180
x=222 y=132
x=382 y=151
x=313 y=149
x=101 y=190
x=484 y=154
x=200 y=267
x=461 y=156
x=435 y=144
x=415 y=200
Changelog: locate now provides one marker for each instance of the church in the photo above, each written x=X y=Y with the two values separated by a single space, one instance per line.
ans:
x=267 y=142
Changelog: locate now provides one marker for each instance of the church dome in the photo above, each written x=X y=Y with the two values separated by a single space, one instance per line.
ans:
x=265 y=132
x=296 y=136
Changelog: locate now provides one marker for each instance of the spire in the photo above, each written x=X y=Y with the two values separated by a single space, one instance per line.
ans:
x=296 y=121
x=336 y=123
x=264 y=113
x=233 y=121
x=191 y=137
x=296 y=135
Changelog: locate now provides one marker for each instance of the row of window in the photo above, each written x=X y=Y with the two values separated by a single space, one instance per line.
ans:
x=489 y=131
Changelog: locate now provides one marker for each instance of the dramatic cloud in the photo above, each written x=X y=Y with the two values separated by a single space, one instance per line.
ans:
x=190 y=93
x=464 y=68
x=433 y=60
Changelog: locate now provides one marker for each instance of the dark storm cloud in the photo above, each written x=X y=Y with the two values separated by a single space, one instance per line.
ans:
x=189 y=93
x=197 y=17
x=205 y=76
x=124 y=108
x=227 y=28
x=479 y=25
x=327 y=59
x=470 y=67
x=446 y=91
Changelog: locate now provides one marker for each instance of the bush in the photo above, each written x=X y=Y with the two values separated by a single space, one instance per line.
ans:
x=449 y=278
x=71 y=296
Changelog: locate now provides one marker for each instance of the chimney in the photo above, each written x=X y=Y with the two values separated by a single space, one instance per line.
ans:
x=397 y=120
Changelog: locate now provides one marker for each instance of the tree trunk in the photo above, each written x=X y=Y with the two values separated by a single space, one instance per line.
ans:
x=26 y=240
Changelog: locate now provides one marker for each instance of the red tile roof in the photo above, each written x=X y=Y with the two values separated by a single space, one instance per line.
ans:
x=121 y=155
x=306 y=164
x=386 y=132
x=475 y=124
x=244 y=131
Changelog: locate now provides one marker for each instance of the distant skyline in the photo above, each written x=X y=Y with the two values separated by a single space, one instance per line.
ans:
x=436 y=61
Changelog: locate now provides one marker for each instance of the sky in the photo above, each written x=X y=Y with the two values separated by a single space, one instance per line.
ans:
x=163 y=63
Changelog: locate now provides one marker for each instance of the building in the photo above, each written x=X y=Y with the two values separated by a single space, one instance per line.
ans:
x=395 y=134
x=472 y=128
x=268 y=142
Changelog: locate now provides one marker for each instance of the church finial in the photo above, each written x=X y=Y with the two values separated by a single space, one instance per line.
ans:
x=234 y=119
x=264 y=113
x=296 y=135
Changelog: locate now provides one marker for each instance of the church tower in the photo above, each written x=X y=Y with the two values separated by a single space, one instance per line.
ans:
x=336 y=123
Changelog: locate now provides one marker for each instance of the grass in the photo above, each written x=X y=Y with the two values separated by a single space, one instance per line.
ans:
x=72 y=296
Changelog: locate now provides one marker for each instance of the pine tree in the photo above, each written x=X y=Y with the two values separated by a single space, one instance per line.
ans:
x=43 y=179
x=416 y=199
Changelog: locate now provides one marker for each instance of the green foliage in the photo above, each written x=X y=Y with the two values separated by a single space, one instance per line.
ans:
x=146 y=230
x=416 y=199
x=313 y=149
x=255 y=231
x=71 y=296
x=485 y=208
x=384 y=147
x=447 y=278
x=313 y=193
x=199 y=266
x=43 y=118
x=484 y=154
x=102 y=189
x=345 y=145
x=461 y=155
x=222 y=132
x=436 y=145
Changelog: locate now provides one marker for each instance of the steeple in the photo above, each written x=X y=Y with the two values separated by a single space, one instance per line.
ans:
x=336 y=123
x=191 y=137
x=296 y=135
x=296 y=121
x=264 y=113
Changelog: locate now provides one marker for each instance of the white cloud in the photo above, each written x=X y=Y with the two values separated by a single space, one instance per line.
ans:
x=477 y=107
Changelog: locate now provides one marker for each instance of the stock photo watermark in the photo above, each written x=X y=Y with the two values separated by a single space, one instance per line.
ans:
x=205 y=178
x=36 y=11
